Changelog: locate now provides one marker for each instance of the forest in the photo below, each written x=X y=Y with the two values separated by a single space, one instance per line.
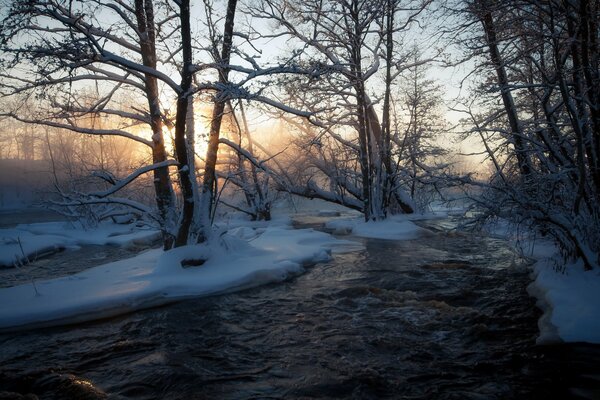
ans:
x=165 y=107
x=199 y=126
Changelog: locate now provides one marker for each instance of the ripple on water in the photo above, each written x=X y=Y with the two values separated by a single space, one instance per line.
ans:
x=441 y=318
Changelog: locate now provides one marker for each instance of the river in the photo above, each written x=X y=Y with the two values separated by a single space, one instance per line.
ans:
x=445 y=316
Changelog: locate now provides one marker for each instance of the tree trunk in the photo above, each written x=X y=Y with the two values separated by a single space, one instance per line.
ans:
x=186 y=170
x=509 y=104
x=209 y=181
x=162 y=182
x=586 y=86
x=389 y=167
x=386 y=123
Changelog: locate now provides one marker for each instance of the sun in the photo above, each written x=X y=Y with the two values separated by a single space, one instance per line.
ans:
x=202 y=117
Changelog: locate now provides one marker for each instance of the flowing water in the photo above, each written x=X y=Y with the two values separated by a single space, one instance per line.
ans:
x=445 y=316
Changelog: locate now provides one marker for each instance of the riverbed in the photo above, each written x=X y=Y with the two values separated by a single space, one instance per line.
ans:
x=444 y=316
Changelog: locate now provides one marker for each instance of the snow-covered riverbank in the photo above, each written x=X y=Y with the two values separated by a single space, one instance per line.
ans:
x=26 y=242
x=250 y=254
x=568 y=296
x=242 y=257
x=570 y=300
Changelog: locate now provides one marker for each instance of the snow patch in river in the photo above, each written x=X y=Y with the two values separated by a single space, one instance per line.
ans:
x=233 y=261
x=397 y=227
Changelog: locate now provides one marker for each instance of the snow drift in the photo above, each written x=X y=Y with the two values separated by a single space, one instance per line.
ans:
x=570 y=301
x=568 y=296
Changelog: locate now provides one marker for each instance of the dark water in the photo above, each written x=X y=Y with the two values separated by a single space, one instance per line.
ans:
x=446 y=316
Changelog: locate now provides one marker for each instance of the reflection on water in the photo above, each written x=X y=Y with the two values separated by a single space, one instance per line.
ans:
x=446 y=316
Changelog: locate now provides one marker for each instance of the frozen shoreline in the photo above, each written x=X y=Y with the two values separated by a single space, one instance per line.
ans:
x=570 y=302
x=568 y=296
x=252 y=254
x=245 y=254
x=26 y=242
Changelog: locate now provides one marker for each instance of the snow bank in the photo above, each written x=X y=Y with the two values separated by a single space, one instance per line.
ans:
x=570 y=301
x=39 y=238
x=397 y=227
x=155 y=277
x=568 y=295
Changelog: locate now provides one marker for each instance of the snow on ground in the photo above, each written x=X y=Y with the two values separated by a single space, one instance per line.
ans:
x=241 y=258
x=396 y=227
x=29 y=241
x=568 y=295
x=570 y=301
x=455 y=208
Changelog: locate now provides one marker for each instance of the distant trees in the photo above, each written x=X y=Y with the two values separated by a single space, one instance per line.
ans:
x=541 y=60
x=121 y=48
x=341 y=99
x=355 y=42
x=247 y=168
x=18 y=140
x=418 y=131
x=63 y=48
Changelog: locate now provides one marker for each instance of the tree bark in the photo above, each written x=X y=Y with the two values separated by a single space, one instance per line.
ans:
x=385 y=119
x=361 y=111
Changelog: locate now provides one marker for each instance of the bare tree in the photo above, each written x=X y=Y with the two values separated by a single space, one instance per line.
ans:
x=350 y=39
x=68 y=47
x=135 y=49
x=541 y=59
x=418 y=129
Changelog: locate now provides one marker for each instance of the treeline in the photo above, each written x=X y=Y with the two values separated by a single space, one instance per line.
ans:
x=338 y=86
x=537 y=112
x=360 y=110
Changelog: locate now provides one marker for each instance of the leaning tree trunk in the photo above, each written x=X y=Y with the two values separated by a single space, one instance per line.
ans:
x=509 y=105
